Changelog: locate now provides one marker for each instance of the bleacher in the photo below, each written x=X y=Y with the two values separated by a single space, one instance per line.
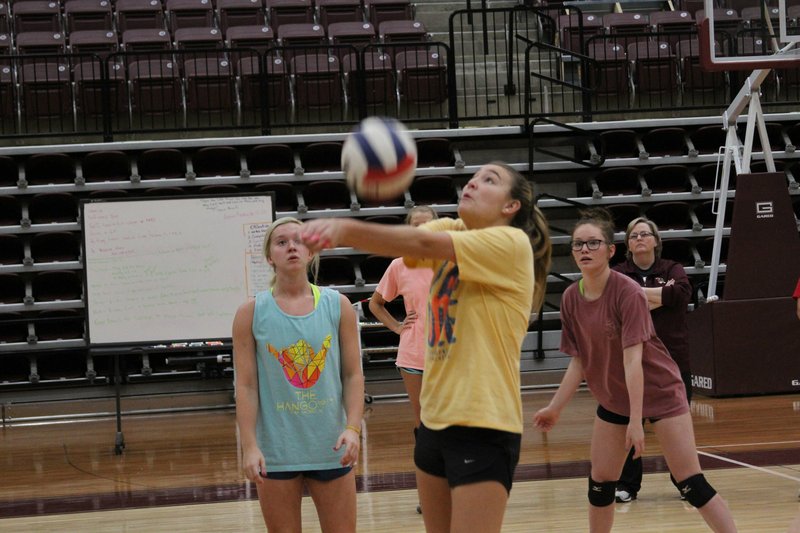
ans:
x=135 y=98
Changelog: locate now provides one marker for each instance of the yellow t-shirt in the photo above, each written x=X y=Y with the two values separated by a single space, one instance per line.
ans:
x=478 y=315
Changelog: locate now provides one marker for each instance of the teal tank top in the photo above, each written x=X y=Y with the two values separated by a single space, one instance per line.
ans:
x=301 y=412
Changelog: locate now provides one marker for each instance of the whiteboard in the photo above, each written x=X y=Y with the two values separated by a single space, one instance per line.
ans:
x=172 y=269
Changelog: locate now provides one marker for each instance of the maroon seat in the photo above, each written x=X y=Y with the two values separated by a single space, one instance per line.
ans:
x=435 y=152
x=619 y=143
x=8 y=96
x=49 y=168
x=326 y=195
x=708 y=139
x=665 y=141
x=55 y=246
x=422 y=76
x=241 y=13
x=217 y=161
x=277 y=93
x=99 y=42
x=321 y=156
x=426 y=190
x=668 y=178
x=333 y=11
x=317 y=80
x=671 y=215
x=12 y=249
x=402 y=31
x=374 y=81
x=158 y=163
x=679 y=250
x=149 y=41
x=190 y=14
x=282 y=12
x=610 y=76
x=155 y=87
x=56 y=285
x=373 y=267
x=106 y=165
x=91 y=81
x=10 y=211
x=197 y=38
x=678 y=24
x=88 y=15
x=12 y=288
x=627 y=22
x=653 y=66
x=356 y=34
x=382 y=10
x=59 y=324
x=622 y=214
x=336 y=270
x=302 y=38
x=271 y=159
x=13 y=328
x=41 y=42
x=619 y=181
x=139 y=14
x=37 y=15
x=285 y=195
x=46 y=208
x=693 y=76
x=258 y=37
x=574 y=31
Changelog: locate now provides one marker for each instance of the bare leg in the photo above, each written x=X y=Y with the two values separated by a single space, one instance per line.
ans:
x=676 y=435
x=434 y=494
x=413 y=384
x=608 y=455
x=280 y=504
x=479 y=507
x=335 y=502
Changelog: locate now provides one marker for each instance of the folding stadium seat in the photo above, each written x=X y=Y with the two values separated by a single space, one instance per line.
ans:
x=623 y=214
x=761 y=166
x=12 y=250
x=321 y=156
x=617 y=181
x=277 y=93
x=574 y=31
x=422 y=76
x=241 y=13
x=8 y=107
x=327 y=194
x=109 y=193
x=5 y=43
x=156 y=88
x=333 y=11
x=676 y=20
x=211 y=88
x=91 y=87
x=164 y=191
x=83 y=15
x=705 y=247
x=41 y=42
x=149 y=41
x=754 y=18
x=5 y=15
x=706 y=175
x=793 y=133
x=610 y=77
x=217 y=161
x=777 y=141
x=55 y=246
x=49 y=168
x=620 y=250
x=373 y=267
x=12 y=288
x=301 y=38
x=668 y=178
x=373 y=83
x=672 y=215
x=725 y=18
x=616 y=144
x=219 y=189
x=693 y=76
x=100 y=42
x=13 y=328
x=9 y=171
x=58 y=324
x=435 y=152
x=336 y=270
x=46 y=208
x=317 y=81
x=10 y=211
x=382 y=10
x=139 y=14
x=284 y=194
x=706 y=213
x=708 y=139
x=680 y=251
x=106 y=165
x=271 y=159
x=282 y=12
x=653 y=66
x=259 y=37
x=37 y=15
x=402 y=31
x=190 y=14
x=160 y=163
x=355 y=34
x=426 y=190
x=200 y=39
x=665 y=142
x=627 y=22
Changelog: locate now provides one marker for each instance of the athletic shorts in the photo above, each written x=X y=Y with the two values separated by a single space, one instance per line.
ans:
x=316 y=475
x=467 y=455
x=620 y=420
x=415 y=371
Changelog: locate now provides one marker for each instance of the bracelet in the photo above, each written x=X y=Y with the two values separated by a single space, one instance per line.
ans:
x=354 y=428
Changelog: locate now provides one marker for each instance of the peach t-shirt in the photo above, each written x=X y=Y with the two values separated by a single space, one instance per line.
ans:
x=414 y=285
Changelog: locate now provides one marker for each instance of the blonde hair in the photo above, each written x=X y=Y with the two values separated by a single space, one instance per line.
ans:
x=653 y=229
x=421 y=209
x=313 y=265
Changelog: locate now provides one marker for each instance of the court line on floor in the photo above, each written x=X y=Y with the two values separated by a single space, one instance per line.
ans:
x=749 y=444
x=747 y=465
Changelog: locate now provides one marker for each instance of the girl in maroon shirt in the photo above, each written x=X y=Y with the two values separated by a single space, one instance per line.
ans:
x=606 y=327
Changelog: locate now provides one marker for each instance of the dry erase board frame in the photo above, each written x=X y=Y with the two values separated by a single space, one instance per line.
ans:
x=167 y=269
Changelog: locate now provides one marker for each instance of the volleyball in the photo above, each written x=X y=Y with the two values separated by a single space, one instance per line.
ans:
x=379 y=159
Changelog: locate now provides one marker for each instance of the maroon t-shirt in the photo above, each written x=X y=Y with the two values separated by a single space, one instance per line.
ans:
x=596 y=333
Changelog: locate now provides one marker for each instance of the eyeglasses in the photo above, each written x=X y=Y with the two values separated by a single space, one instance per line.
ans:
x=592 y=245
x=642 y=234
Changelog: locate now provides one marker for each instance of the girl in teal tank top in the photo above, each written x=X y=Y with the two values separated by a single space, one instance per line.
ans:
x=299 y=390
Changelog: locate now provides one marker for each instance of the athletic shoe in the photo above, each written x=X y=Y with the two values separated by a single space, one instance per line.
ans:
x=623 y=496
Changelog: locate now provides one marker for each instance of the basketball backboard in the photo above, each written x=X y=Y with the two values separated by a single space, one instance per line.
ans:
x=748 y=34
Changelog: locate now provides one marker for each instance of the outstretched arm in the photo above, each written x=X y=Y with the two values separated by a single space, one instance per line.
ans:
x=381 y=239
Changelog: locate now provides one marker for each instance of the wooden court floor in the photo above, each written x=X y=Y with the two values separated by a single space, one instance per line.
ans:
x=181 y=473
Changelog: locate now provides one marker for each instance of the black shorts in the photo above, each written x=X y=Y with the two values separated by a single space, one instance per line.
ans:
x=316 y=475
x=467 y=455
x=620 y=420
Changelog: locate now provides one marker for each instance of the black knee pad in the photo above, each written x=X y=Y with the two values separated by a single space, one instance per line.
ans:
x=697 y=490
x=601 y=494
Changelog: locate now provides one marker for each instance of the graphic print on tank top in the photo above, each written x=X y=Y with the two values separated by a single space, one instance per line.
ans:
x=302 y=366
x=441 y=310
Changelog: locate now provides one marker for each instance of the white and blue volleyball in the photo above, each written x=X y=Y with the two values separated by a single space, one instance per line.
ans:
x=379 y=159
